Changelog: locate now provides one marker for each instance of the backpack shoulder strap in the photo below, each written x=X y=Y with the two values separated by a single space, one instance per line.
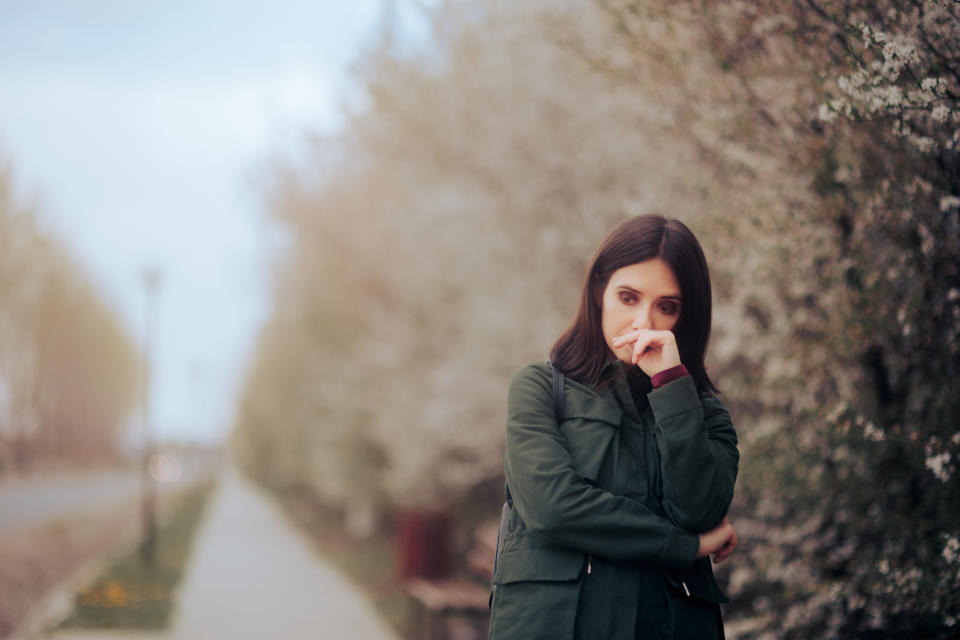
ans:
x=559 y=398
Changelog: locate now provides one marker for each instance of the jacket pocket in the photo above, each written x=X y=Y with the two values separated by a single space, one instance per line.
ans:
x=536 y=594
x=541 y=564
x=589 y=429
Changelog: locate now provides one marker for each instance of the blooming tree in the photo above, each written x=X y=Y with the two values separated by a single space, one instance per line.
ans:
x=440 y=241
x=68 y=369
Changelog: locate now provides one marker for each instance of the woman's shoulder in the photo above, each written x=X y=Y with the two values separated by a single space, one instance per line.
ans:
x=536 y=369
x=537 y=379
x=533 y=382
x=533 y=373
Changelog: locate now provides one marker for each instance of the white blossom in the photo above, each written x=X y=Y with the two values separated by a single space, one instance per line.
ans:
x=951 y=550
x=938 y=465
x=827 y=113
x=870 y=432
x=932 y=85
x=947 y=203
x=924 y=143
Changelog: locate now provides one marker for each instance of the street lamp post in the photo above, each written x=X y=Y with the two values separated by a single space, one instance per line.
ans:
x=151 y=285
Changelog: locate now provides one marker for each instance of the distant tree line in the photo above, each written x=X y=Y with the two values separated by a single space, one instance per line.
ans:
x=69 y=371
x=812 y=146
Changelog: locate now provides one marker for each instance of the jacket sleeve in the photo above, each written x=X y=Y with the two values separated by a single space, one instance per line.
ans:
x=556 y=502
x=698 y=454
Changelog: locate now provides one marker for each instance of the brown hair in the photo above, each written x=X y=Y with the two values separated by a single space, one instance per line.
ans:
x=581 y=352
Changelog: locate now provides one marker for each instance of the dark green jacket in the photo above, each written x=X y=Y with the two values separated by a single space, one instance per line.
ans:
x=623 y=484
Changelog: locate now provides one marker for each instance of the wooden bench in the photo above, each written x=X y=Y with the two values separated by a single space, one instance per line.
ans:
x=440 y=600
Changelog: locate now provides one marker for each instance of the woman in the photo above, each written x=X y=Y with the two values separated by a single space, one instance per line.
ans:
x=616 y=509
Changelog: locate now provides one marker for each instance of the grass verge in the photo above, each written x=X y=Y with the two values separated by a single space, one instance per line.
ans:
x=129 y=595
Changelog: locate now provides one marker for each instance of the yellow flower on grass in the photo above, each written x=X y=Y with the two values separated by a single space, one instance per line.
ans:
x=90 y=598
x=115 y=595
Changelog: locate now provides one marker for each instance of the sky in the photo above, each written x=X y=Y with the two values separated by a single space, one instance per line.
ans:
x=143 y=133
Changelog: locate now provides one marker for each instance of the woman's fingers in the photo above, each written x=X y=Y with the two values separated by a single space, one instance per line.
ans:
x=630 y=336
x=634 y=336
x=728 y=546
x=715 y=540
x=651 y=350
x=626 y=338
x=723 y=554
x=643 y=343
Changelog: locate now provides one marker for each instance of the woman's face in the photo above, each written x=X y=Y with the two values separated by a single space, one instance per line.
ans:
x=644 y=295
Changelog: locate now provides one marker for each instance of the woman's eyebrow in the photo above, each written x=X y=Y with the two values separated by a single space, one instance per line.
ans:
x=626 y=287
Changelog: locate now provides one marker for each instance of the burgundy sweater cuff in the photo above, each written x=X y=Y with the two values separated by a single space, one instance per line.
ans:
x=668 y=375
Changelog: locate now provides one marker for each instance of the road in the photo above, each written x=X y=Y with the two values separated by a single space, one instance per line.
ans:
x=34 y=501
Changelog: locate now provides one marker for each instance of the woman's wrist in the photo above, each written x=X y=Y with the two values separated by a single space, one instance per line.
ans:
x=668 y=375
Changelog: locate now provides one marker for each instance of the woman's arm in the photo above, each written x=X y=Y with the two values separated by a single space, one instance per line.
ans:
x=556 y=502
x=698 y=454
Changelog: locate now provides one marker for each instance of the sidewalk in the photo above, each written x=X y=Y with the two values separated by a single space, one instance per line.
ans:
x=252 y=575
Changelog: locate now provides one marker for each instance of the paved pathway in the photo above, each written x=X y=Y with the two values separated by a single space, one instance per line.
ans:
x=253 y=575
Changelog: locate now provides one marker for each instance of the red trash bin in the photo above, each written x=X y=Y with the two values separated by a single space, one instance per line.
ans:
x=424 y=544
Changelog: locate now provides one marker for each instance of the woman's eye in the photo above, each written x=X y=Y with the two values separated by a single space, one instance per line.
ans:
x=627 y=297
x=669 y=308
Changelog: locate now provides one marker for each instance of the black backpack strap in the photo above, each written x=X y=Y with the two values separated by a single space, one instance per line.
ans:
x=501 y=534
x=559 y=398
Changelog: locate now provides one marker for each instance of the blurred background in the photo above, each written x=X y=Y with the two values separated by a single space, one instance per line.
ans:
x=291 y=255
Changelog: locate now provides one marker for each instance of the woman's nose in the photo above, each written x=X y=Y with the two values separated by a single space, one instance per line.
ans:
x=641 y=318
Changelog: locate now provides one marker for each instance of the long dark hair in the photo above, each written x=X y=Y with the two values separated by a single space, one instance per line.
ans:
x=581 y=352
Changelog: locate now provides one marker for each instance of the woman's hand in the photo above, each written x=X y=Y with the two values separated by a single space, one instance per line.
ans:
x=719 y=542
x=653 y=351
